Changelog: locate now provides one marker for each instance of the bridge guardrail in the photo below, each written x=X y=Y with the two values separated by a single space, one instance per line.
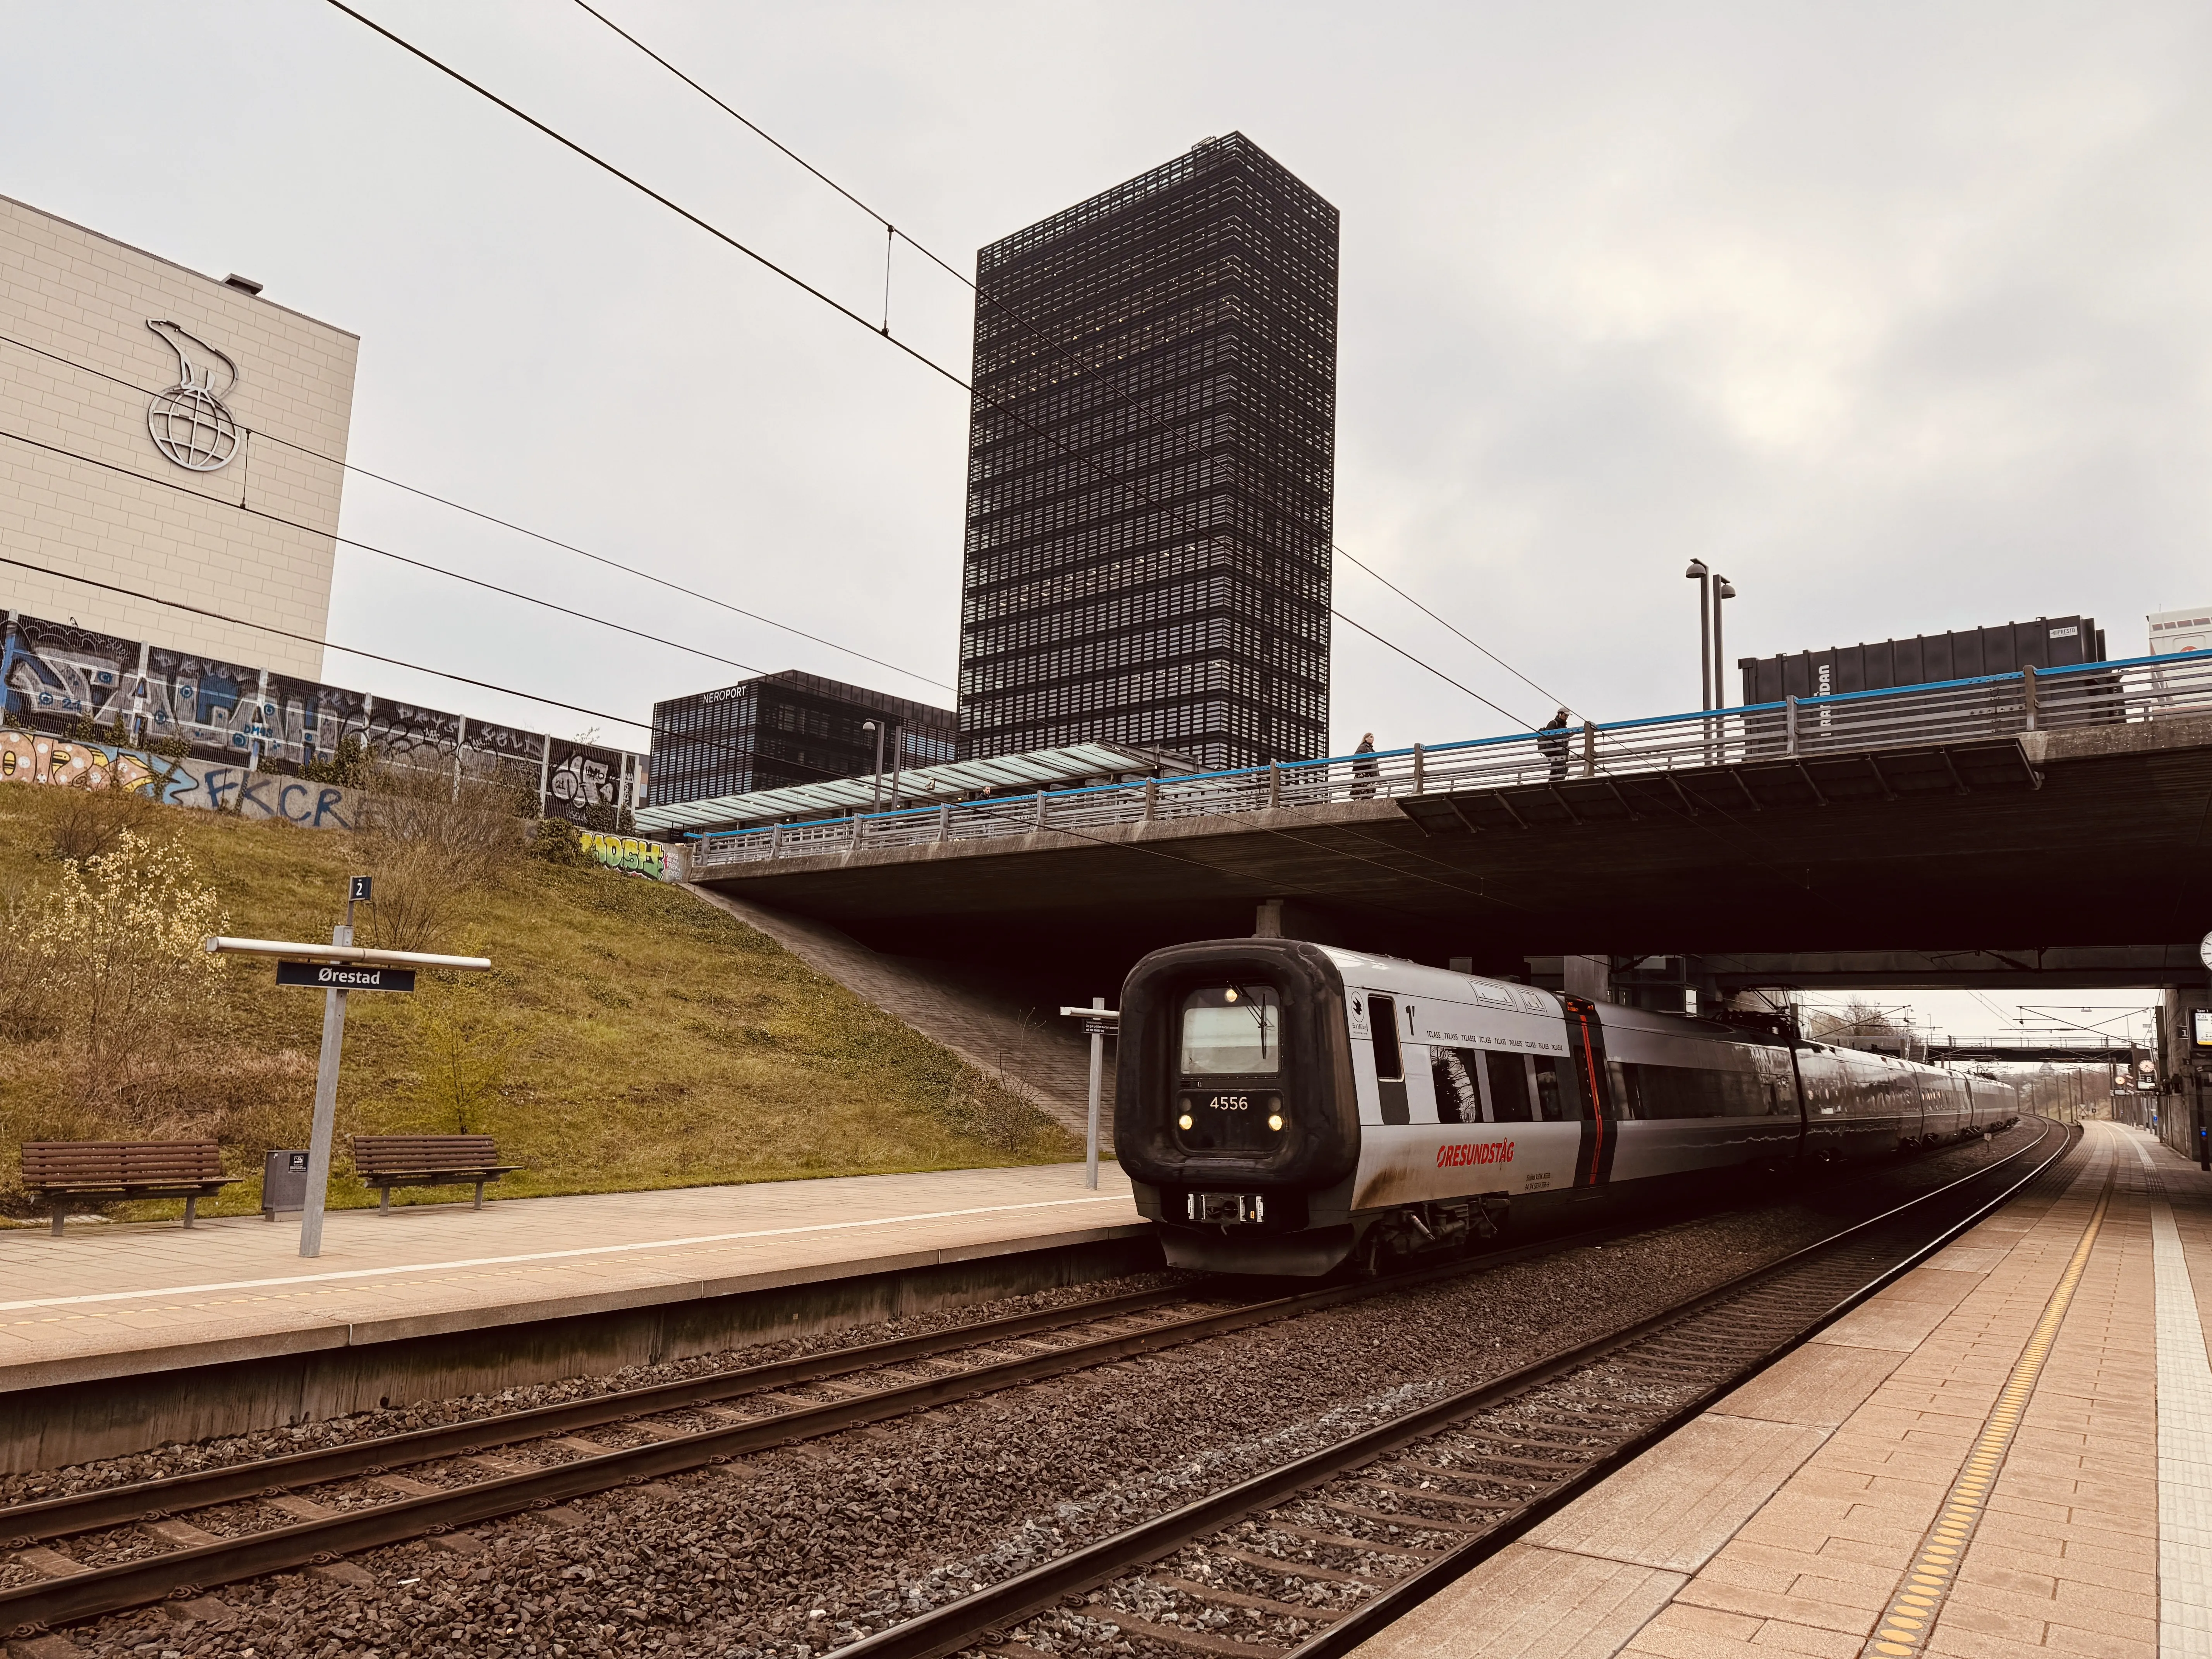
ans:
x=1949 y=713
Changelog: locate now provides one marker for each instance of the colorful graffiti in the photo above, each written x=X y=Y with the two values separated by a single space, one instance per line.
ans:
x=210 y=785
x=638 y=858
x=53 y=675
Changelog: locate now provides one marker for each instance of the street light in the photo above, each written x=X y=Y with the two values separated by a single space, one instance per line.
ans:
x=877 y=726
x=1724 y=590
x=1697 y=573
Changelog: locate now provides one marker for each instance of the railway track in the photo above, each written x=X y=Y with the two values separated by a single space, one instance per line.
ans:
x=177 y=1537
x=174 y=1538
x=1313 y=1558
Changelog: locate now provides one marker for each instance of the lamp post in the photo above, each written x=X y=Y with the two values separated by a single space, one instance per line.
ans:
x=1697 y=573
x=877 y=726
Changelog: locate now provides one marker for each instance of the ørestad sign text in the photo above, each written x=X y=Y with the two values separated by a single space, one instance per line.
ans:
x=344 y=976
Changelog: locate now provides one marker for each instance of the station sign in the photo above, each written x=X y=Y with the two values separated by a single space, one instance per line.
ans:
x=344 y=976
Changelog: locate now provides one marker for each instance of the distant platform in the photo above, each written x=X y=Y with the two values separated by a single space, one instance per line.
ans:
x=403 y=1306
x=1860 y=1498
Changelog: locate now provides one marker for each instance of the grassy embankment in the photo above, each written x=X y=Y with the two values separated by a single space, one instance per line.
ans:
x=630 y=1036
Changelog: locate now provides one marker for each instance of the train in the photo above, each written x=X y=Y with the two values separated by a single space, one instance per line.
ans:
x=1285 y=1107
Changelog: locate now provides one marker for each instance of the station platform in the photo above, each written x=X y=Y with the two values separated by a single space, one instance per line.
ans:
x=94 y=1325
x=2007 y=1453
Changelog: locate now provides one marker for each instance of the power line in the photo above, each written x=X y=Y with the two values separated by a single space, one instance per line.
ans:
x=1337 y=548
x=842 y=310
x=382 y=552
x=329 y=645
x=504 y=524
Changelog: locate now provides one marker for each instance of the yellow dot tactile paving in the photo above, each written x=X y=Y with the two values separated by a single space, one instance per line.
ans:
x=1903 y=1630
x=1788 y=1519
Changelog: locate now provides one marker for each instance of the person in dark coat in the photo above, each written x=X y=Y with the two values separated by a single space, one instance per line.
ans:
x=1552 y=739
x=1364 y=768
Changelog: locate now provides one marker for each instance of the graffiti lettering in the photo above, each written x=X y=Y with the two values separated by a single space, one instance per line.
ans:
x=643 y=858
x=25 y=758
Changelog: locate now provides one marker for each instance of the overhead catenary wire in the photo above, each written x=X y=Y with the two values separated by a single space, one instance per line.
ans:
x=891 y=230
x=951 y=375
x=504 y=524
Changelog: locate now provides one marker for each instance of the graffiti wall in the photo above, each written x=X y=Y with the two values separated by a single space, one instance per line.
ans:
x=53 y=675
x=223 y=785
x=211 y=786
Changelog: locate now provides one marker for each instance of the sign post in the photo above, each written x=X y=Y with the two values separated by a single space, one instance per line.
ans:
x=1098 y=1021
x=336 y=968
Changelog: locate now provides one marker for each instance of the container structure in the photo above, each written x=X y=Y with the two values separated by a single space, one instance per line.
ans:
x=1924 y=660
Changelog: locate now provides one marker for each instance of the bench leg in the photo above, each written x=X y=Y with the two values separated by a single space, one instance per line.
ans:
x=191 y=1208
x=384 y=1204
x=480 y=1194
x=61 y=1209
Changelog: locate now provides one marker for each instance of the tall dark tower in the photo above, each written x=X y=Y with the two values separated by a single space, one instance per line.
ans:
x=1150 y=470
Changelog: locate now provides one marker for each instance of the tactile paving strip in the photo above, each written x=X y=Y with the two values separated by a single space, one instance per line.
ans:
x=1902 y=1631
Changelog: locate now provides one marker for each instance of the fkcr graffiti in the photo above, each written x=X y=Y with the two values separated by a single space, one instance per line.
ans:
x=53 y=675
x=212 y=785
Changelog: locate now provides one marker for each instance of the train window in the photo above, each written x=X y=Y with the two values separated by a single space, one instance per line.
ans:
x=1685 y=1091
x=1555 y=1100
x=1508 y=1086
x=1459 y=1097
x=1626 y=1102
x=1389 y=1058
x=1233 y=1030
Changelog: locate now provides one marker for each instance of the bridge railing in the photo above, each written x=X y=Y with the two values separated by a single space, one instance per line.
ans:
x=1947 y=714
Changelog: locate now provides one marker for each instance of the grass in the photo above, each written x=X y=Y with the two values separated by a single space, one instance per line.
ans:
x=650 y=1040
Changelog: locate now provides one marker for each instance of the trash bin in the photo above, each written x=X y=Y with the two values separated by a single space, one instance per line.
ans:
x=283 y=1184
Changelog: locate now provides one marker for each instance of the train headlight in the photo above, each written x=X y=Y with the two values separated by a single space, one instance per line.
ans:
x=1183 y=1122
x=1275 y=1120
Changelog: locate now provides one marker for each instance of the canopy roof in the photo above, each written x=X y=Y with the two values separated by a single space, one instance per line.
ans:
x=927 y=785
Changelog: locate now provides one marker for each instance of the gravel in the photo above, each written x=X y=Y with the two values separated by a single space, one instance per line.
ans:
x=794 y=1551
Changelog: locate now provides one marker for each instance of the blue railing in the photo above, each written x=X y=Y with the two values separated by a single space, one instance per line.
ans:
x=1945 y=713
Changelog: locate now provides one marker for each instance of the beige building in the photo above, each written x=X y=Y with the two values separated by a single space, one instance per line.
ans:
x=170 y=434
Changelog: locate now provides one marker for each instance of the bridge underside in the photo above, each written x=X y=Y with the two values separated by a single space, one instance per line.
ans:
x=2082 y=857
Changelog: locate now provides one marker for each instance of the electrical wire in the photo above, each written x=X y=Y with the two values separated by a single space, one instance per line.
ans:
x=382 y=552
x=504 y=524
x=983 y=298
x=761 y=259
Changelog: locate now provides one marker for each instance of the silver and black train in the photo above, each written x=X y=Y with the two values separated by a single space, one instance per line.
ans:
x=1284 y=1106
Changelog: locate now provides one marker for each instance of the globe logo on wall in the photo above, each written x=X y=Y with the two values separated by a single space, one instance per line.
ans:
x=190 y=423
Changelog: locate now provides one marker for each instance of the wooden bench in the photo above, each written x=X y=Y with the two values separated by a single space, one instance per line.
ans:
x=389 y=1161
x=63 y=1170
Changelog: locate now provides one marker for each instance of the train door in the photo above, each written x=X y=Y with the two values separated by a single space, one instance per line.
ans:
x=1592 y=1104
x=1389 y=1058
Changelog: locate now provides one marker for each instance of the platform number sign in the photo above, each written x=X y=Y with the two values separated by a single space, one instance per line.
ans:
x=357 y=890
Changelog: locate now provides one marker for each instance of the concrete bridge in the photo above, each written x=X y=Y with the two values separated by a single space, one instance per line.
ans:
x=2050 y=828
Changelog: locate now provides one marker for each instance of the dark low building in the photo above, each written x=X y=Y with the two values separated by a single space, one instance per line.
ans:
x=784 y=729
x=1924 y=659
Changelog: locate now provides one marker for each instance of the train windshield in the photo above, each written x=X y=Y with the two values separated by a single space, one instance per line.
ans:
x=1231 y=1029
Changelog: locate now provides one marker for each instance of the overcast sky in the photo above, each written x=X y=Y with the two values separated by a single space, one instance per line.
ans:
x=1895 y=313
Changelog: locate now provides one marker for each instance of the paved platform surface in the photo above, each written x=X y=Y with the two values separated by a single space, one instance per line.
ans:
x=115 y=1301
x=2007 y=1453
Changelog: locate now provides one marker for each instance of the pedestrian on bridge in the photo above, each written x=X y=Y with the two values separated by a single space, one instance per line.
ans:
x=1362 y=768
x=1552 y=739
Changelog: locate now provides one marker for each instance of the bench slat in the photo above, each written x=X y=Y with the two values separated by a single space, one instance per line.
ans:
x=120 y=1163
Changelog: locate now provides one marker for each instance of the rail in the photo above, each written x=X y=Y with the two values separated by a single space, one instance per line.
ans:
x=1949 y=713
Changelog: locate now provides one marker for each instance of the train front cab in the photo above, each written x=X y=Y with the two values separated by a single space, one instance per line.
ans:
x=1235 y=1104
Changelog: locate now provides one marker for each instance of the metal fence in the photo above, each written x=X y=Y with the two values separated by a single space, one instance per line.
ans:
x=1953 y=713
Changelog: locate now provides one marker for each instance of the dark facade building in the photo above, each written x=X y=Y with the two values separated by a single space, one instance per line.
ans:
x=1150 y=470
x=783 y=729
x=1924 y=660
